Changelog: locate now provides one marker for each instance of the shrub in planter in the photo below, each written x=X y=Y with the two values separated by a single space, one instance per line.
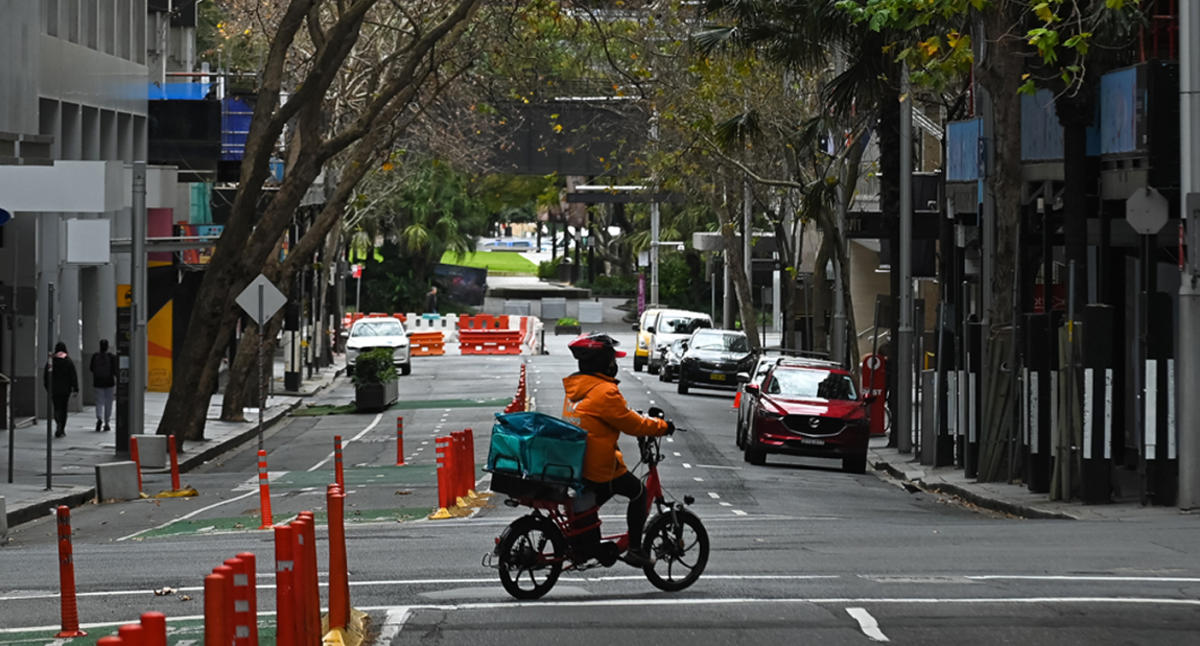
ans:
x=567 y=325
x=375 y=386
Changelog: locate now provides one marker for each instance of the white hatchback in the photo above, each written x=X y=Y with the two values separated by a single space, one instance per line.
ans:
x=379 y=332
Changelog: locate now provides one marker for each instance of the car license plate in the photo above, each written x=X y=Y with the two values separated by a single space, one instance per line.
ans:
x=809 y=440
x=716 y=376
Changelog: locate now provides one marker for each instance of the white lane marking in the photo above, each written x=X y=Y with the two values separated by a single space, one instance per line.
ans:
x=393 y=623
x=187 y=515
x=738 y=512
x=725 y=504
x=686 y=465
x=1060 y=577
x=714 y=495
x=361 y=433
x=867 y=624
x=698 y=479
x=677 y=453
x=671 y=440
x=718 y=466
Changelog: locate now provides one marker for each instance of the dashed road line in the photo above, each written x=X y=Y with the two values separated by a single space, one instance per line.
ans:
x=686 y=465
x=867 y=624
x=714 y=495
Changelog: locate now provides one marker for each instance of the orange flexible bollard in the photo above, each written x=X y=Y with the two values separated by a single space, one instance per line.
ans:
x=111 y=640
x=312 y=589
x=339 y=581
x=249 y=563
x=66 y=576
x=285 y=599
x=300 y=593
x=470 y=435
x=737 y=399
x=264 y=491
x=227 y=602
x=460 y=474
x=240 y=618
x=133 y=455
x=442 y=447
x=399 y=441
x=132 y=635
x=339 y=475
x=174 y=463
x=215 y=631
x=155 y=624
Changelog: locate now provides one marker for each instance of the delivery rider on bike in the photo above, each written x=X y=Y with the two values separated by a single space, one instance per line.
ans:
x=594 y=403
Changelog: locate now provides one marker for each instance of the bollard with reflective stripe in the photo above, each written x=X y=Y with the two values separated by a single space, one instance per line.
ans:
x=137 y=463
x=285 y=600
x=399 y=441
x=132 y=635
x=215 y=631
x=470 y=451
x=264 y=490
x=338 y=475
x=174 y=463
x=155 y=625
x=460 y=468
x=312 y=592
x=444 y=470
x=249 y=563
x=66 y=576
x=339 y=581
x=243 y=620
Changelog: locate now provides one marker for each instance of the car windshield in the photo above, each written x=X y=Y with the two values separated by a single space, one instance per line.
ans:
x=721 y=342
x=680 y=325
x=378 y=328
x=817 y=384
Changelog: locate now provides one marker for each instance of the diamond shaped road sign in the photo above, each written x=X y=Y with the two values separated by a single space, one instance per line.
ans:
x=261 y=310
x=1146 y=211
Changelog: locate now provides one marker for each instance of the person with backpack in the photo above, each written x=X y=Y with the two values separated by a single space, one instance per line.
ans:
x=60 y=379
x=104 y=380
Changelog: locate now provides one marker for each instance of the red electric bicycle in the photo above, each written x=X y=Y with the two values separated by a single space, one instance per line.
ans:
x=536 y=548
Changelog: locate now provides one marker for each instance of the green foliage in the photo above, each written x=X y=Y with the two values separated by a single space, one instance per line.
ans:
x=567 y=321
x=625 y=286
x=374 y=367
x=548 y=269
x=681 y=282
x=505 y=261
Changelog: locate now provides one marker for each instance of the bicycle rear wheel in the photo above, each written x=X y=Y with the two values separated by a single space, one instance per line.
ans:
x=679 y=544
x=530 y=557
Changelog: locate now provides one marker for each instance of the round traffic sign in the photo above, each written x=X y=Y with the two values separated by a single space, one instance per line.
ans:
x=1146 y=211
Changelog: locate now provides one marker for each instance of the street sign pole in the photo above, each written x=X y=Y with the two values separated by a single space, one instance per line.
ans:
x=261 y=395
x=49 y=354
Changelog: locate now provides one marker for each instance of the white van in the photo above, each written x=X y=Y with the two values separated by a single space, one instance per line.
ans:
x=669 y=326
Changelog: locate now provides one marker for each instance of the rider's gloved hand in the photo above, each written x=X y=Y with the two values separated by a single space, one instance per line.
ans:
x=670 y=427
x=655 y=411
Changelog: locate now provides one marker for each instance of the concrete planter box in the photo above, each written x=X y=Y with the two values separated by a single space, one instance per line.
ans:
x=574 y=330
x=376 y=397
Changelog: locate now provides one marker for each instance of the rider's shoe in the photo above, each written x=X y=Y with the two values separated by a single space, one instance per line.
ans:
x=637 y=558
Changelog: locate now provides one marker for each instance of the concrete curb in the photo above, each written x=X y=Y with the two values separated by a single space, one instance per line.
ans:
x=973 y=497
x=73 y=499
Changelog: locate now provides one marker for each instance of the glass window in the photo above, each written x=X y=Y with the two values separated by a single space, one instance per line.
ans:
x=725 y=342
x=378 y=328
x=816 y=384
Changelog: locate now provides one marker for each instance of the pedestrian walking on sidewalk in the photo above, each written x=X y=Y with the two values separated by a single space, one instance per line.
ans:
x=104 y=381
x=61 y=381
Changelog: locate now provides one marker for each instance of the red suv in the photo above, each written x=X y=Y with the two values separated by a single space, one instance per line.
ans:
x=808 y=408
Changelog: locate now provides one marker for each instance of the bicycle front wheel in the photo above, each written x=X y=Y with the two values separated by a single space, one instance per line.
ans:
x=679 y=544
x=530 y=556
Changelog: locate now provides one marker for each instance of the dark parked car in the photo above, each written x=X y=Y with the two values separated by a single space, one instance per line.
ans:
x=671 y=356
x=713 y=360
x=806 y=408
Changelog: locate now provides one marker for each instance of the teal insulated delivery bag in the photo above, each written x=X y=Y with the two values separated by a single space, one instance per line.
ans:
x=537 y=446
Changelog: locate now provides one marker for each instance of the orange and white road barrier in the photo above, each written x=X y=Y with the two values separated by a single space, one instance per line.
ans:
x=339 y=475
x=66 y=576
x=285 y=594
x=399 y=441
x=264 y=491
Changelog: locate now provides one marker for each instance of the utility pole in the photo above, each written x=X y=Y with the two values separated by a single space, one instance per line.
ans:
x=137 y=280
x=903 y=421
x=1188 y=379
x=654 y=220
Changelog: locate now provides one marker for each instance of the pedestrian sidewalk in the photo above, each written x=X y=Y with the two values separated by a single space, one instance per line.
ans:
x=1014 y=499
x=73 y=458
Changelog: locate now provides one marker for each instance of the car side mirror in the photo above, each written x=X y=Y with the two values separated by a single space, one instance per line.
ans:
x=635 y=327
x=743 y=377
x=751 y=389
x=650 y=329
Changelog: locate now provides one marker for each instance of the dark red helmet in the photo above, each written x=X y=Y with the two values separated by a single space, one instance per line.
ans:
x=587 y=346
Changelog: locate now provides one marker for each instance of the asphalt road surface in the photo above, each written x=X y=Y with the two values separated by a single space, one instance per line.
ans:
x=801 y=552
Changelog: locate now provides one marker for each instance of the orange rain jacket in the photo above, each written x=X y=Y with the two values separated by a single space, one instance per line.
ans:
x=594 y=403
